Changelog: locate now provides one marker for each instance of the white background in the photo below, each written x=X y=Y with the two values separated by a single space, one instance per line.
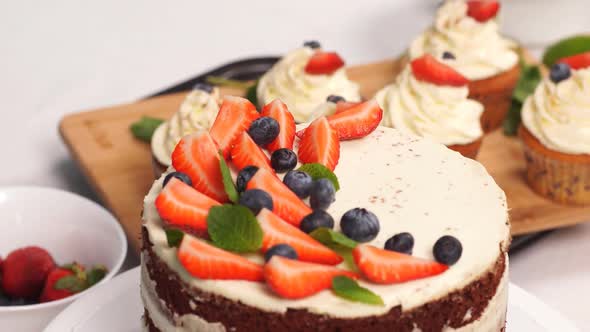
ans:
x=58 y=57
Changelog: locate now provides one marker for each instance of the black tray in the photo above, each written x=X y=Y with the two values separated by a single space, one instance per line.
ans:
x=253 y=68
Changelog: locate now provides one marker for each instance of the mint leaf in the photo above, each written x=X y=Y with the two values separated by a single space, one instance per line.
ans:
x=95 y=275
x=222 y=81
x=234 y=228
x=174 y=237
x=228 y=182
x=566 y=47
x=512 y=120
x=145 y=128
x=319 y=171
x=530 y=77
x=349 y=289
x=329 y=237
x=252 y=95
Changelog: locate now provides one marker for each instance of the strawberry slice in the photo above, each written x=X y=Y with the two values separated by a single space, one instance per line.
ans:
x=427 y=68
x=277 y=110
x=205 y=261
x=482 y=10
x=285 y=203
x=277 y=231
x=320 y=144
x=357 y=121
x=577 y=61
x=182 y=206
x=196 y=155
x=294 y=279
x=234 y=117
x=342 y=106
x=245 y=152
x=324 y=63
x=390 y=267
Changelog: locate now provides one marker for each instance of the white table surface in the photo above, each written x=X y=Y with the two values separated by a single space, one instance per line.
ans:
x=58 y=57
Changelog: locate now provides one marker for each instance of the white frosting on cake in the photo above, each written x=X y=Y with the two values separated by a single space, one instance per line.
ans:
x=558 y=115
x=412 y=185
x=196 y=113
x=479 y=49
x=443 y=114
x=302 y=92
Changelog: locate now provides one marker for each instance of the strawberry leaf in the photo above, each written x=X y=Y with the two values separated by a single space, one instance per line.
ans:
x=174 y=237
x=96 y=274
x=70 y=283
x=349 y=289
x=145 y=128
x=319 y=171
x=329 y=237
x=228 y=182
x=234 y=228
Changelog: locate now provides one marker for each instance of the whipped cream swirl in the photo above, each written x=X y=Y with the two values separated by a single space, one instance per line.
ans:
x=443 y=114
x=478 y=47
x=558 y=115
x=197 y=112
x=302 y=92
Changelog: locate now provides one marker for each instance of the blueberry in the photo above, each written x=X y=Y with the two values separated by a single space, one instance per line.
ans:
x=313 y=44
x=447 y=250
x=335 y=99
x=255 y=200
x=559 y=72
x=448 y=55
x=264 y=130
x=315 y=220
x=299 y=182
x=360 y=225
x=283 y=160
x=284 y=250
x=244 y=176
x=203 y=87
x=180 y=176
x=402 y=242
x=322 y=194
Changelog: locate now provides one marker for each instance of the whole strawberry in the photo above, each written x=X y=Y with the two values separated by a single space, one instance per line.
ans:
x=25 y=271
x=68 y=280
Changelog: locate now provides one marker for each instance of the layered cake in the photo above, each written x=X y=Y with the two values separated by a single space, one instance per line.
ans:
x=304 y=78
x=351 y=227
x=429 y=99
x=467 y=32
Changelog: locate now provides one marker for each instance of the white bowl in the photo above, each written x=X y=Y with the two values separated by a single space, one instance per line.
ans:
x=70 y=227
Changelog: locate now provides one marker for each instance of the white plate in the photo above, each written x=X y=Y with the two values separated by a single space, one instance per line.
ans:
x=117 y=306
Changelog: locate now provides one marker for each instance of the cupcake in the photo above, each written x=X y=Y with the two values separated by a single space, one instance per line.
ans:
x=304 y=78
x=467 y=33
x=196 y=113
x=555 y=131
x=430 y=99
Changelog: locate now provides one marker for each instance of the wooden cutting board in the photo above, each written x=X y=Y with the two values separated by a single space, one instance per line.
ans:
x=118 y=166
